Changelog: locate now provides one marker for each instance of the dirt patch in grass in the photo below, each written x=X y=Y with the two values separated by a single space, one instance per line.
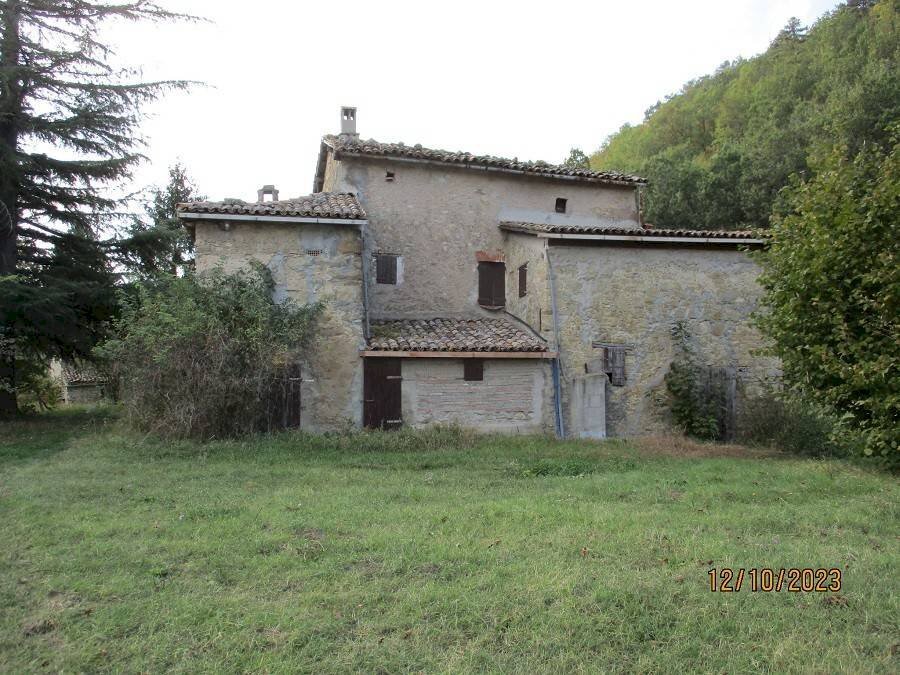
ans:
x=39 y=627
x=680 y=446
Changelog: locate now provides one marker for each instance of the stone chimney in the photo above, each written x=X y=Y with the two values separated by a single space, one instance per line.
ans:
x=348 y=121
x=266 y=190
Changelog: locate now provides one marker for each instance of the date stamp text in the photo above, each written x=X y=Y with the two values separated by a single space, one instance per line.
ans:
x=767 y=580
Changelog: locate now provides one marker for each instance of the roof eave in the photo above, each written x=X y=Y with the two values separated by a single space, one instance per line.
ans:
x=652 y=239
x=446 y=354
x=246 y=217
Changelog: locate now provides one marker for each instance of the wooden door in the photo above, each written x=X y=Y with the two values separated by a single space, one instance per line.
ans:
x=381 y=393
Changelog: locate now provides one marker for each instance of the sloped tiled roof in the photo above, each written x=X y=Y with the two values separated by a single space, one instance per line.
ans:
x=635 y=231
x=319 y=205
x=350 y=145
x=81 y=373
x=452 y=335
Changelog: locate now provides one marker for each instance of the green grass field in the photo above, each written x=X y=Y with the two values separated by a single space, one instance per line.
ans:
x=431 y=552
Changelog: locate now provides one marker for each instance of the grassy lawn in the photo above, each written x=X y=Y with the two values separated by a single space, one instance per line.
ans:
x=431 y=552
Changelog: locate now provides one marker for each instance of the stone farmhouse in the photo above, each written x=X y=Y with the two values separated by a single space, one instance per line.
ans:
x=492 y=293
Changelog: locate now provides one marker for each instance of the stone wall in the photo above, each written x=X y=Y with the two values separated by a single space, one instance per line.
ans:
x=83 y=393
x=633 y=295
x=535 y=308
x=512 y=398
x=437 y=218
x=309 y=263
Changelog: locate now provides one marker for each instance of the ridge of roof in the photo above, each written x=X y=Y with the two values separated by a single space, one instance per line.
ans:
x=351 y=145
x=329 y=205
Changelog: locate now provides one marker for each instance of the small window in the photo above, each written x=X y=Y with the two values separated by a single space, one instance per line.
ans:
x=314 y=252
x=473 y=370
x=492 y=284
x=385 y=269
x=389 y=176
x=560 y=205
x=523 y=280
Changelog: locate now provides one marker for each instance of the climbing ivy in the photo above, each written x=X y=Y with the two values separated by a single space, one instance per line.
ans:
x=694 y=408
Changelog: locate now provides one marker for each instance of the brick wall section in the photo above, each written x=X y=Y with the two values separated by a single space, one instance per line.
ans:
x=511 y=398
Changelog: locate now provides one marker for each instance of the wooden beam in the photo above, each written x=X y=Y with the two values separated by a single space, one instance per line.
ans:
x=459 y=355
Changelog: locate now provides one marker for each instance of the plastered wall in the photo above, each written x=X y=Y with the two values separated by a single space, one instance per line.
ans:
x=438 y=218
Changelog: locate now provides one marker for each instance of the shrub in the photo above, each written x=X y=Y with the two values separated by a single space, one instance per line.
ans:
x=791 y=424
x=35 y=388
x=832 y=283
x=197 y=356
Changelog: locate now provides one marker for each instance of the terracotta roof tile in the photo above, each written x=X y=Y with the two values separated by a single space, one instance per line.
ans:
x=319 y=205
x=81 y=373
x=452 y=335
x=349 y=145
x=635 y=231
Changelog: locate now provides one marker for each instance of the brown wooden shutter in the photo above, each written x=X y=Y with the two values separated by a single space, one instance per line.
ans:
x=492 y=284
x=615 y=365
x=385 y=269
x=523 y=280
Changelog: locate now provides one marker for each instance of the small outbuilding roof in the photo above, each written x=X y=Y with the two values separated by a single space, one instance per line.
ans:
x=351 y=145
x=452 y=335
x=329 y=205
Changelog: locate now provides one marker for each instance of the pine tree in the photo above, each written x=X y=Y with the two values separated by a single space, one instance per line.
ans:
x=160 y=244
x=68 y=128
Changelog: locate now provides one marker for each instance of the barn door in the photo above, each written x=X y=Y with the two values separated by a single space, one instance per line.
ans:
x=381 y=393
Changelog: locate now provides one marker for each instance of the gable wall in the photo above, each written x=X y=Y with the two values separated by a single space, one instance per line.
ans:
x=437 y=218
x=331 y=388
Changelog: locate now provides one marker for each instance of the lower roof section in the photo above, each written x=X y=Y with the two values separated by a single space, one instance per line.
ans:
x=369 y=353
x=318 y=207
x=453 y=337
x=640 y=235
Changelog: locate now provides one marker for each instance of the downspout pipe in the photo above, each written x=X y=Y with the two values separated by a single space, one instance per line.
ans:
x=556 y=363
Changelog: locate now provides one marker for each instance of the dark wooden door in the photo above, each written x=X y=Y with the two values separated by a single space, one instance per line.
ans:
x=381 y=393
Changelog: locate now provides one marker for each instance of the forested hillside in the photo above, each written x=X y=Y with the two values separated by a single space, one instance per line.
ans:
x=718 y=151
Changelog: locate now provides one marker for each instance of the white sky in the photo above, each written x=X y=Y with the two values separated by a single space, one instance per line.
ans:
x=517 y=79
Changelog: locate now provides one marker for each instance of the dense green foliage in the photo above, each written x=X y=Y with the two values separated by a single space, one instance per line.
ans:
x=778 y=419
x=159 y=242
x=431 y=551
x=832 y=281
x=69 y=123
x=718 y=152
x=696 y=409
x=198 y=356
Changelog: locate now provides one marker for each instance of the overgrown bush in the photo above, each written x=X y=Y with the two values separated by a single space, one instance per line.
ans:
x=790 y=424
x=831 y=275
x=36 y=390
x=197 y=356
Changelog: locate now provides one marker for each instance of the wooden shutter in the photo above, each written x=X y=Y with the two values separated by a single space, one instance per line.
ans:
x=385 y=269
x=492 y=284
x=615 y=365
x=473 y=370
x=523 y=280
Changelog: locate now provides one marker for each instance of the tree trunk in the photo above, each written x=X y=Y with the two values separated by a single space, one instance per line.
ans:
x=10 y=112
